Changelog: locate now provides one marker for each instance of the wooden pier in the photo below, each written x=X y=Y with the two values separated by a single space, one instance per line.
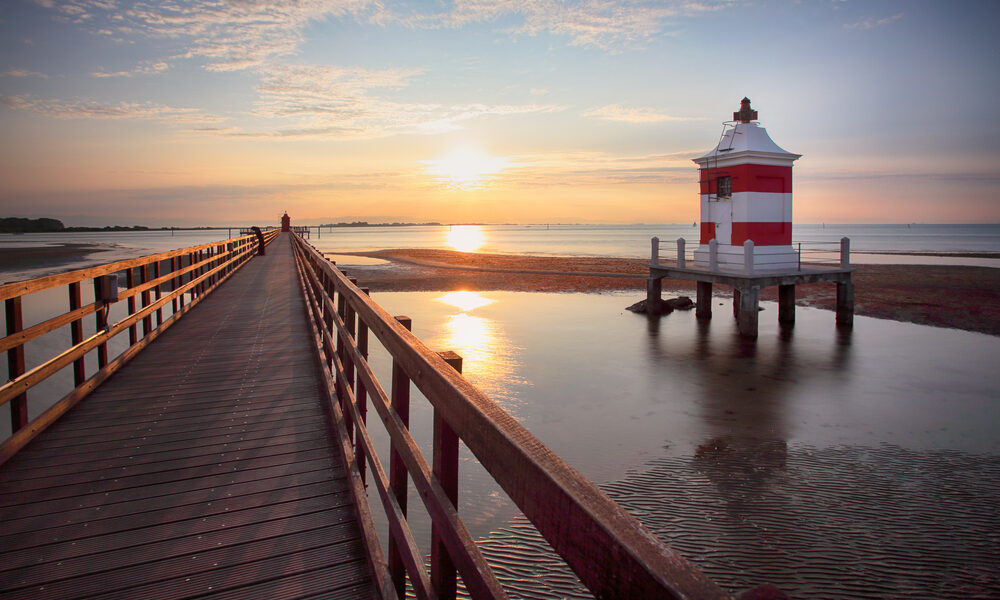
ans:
x=225 y=452
x=203 y=467
x=746 y=283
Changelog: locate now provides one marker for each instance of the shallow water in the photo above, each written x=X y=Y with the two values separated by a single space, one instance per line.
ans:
x=868 y=445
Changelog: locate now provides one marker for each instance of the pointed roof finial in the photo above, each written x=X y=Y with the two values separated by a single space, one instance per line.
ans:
x=745 y=114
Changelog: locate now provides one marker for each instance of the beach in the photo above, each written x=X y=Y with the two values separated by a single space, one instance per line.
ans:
x=958 y=297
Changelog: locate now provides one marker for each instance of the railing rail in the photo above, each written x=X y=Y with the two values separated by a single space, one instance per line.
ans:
x=611 y=552
x=680 y=253
x=159 y=282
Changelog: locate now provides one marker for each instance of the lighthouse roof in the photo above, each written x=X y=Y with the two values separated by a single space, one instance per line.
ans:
x=746 y=142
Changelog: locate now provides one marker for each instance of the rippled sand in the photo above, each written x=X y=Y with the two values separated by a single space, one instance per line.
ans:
x=840 y=522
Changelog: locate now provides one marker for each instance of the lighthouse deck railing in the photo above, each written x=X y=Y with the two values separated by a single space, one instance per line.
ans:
x=812 y=255
x=54 y=349
x=611 y=553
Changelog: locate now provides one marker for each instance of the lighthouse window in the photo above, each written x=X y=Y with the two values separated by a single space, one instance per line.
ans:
x=725 y=187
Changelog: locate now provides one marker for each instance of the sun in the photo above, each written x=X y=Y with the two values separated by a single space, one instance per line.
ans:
x=466 y=168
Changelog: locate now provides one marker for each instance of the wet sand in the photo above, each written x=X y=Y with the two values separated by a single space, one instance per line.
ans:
x=944 y=296
x=45 y=257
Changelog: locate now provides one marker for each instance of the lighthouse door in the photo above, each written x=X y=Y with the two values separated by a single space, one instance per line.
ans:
x=724 y=221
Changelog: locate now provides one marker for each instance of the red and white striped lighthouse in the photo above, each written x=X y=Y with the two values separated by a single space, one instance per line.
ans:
x=746 y=194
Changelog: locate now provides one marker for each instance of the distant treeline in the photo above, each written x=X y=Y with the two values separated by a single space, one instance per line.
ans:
x=367 y=224
x=43 y=225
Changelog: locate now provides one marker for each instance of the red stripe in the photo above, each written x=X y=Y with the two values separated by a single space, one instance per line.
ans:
x=707 y=232
x=762 y=234
x=749 y=178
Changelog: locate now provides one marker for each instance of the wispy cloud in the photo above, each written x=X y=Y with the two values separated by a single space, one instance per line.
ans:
x=227 y=36
x=872 y=22
x=617 y=112
x=91 y=109
x=147 y=68
x=597 y=168
x=23 y=73
x=602 y=24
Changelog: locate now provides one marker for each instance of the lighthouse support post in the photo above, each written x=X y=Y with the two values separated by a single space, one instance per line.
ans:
x=703 y=307
x=746 y=320
x=654 y=290
x=786 y=303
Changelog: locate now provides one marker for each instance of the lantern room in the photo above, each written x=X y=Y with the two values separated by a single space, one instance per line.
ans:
x=746 y=194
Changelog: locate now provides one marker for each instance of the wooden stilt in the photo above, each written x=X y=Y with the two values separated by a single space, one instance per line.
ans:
x=845 y=303
x=747 y=319
x=786 y=303
x=654 y=291
x=703 y=308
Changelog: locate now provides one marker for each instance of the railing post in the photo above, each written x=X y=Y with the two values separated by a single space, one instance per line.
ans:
x=713 y=255
x=360 y=393
x=445 y=468
x=681 y=259
x=130 y=283
x=748 y=256
x=15 y=363
x=845 y=253
x=654 y=251
x=76 y=333
x=400 y=403
x=156 y=293
x=101 y=323
x=147 y=321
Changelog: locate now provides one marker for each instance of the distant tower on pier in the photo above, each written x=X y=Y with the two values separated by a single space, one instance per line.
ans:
x=286 y=222
x=746 y=194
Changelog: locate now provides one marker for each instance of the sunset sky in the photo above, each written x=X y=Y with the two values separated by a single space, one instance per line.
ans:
x=213 y=112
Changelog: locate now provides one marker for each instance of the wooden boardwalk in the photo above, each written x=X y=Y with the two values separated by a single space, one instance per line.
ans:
x=204 y=468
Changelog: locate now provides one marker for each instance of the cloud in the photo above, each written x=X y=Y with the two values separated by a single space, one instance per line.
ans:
x=619 y=113
x=147 y=68
x=603 y=24
x=92 y=109
x=23 y=73
x=872 y=23
x=597 y=169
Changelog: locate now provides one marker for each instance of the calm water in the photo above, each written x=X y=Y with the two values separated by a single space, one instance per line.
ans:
x=789 y=460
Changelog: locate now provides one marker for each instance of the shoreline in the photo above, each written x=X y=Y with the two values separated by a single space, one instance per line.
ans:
x=958 y=297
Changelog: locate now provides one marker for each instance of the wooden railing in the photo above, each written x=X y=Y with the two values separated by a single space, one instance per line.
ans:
x=164 y=285
x=611 y=552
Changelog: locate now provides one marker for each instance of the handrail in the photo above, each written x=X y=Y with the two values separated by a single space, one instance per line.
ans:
x=681 y=254
x=191 y=274
x=611 y=552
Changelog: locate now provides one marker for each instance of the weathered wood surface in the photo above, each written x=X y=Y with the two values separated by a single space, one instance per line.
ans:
x=203 y=468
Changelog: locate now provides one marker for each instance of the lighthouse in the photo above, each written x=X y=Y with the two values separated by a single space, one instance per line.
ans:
x=746 y=194
x=286 y=222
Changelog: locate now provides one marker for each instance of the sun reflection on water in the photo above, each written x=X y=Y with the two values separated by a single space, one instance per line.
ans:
x=489 y=360
x=466 y=238
x=465 y=301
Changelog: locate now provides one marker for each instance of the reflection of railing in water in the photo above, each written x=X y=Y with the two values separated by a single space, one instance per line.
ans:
x=614 y=556
x=161 y=282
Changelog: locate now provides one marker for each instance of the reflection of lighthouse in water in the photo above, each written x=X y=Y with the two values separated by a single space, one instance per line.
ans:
x=746 y=194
